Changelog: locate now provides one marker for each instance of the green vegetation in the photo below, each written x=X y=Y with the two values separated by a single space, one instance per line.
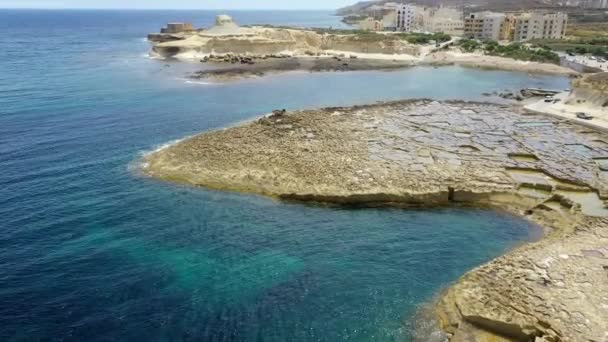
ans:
x=587 y=30
x=600 y=51
x=360 y=35
x=597 y=46
x=372 y=36
x=522 y=52
x=342 y=31
x=559 y=43
x=536 y=53
x=469 y=45
x=424 y=38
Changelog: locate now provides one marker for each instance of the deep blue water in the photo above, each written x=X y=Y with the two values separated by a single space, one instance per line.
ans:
x=91 y=251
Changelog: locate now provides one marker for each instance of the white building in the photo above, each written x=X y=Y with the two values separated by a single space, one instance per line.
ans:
x=443 y=19
x=447 y=26
x=400 y=17
x=492 y=25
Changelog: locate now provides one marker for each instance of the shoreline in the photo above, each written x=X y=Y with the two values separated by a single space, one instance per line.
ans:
x=360 y=155
x=218 y=72
x=586 y=103
x=343 y=61
x=481 y=61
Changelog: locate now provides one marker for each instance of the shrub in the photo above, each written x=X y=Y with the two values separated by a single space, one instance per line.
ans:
x=469 y=45
x=424 y=38
x=521 y=52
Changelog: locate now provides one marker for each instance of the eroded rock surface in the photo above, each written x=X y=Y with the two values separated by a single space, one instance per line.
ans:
x=227 y=37
x=591 y=89
x=430 y=153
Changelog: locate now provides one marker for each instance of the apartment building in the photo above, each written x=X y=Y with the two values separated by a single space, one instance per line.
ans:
x=400 y=17
x=515 y=26
x=443 y=19
x=484 y=25
x=537 y=25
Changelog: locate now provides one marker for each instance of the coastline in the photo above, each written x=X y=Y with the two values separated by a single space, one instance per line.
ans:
x=348 y=61
x=481 y=61
x=429 y=153
x=261 y=68
x=586 y=103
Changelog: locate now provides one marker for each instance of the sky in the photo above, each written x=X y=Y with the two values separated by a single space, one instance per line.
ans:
x=178 y=4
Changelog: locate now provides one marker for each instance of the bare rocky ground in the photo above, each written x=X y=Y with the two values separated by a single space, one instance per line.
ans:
x=263 y=67
x=219 y=71
x=427 y=153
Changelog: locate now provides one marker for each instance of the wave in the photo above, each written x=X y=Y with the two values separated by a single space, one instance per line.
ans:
x=150 y=56
x=140 y=164
x=163 y=146
x=198 y=82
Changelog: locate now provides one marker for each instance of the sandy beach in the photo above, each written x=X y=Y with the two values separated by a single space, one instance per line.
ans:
x=478 y=60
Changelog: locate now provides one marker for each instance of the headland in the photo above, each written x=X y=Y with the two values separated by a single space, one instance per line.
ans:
x=229 y=51
x=551 y=169
x=428 y=153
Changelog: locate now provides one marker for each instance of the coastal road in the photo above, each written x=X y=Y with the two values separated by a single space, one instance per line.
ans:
x=586 y=60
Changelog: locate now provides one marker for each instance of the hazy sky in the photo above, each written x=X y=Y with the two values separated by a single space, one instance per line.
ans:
x=179 y=4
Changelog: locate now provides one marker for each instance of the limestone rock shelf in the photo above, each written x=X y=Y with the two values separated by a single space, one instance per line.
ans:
x=423 y=152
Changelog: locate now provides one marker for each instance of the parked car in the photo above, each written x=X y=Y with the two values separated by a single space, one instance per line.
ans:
x=584 y=116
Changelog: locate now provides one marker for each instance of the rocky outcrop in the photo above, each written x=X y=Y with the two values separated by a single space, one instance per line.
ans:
x=239 y=67
x=228 y=38
x=591 y=89
x=261 y=40
x=554 y=290
x=426 y=153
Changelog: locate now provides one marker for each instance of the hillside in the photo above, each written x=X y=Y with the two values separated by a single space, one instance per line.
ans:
x=469 y=4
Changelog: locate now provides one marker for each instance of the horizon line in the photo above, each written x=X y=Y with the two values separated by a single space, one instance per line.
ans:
x=162 y=9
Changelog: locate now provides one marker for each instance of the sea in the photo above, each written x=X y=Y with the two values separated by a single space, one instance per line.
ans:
x=91 y=250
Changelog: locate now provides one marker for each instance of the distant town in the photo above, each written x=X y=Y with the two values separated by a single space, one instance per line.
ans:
x=486 y=25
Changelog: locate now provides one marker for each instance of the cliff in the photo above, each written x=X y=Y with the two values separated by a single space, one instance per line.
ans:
x=474 y=5
x=228 y=38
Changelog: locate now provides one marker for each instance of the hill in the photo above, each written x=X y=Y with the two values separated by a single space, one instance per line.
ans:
x=496 y=5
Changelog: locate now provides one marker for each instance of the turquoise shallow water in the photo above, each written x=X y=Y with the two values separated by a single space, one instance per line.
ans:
x=91 y=251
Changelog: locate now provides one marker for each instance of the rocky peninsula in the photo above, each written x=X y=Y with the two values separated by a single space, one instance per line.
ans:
x=230 y=52
x=428 y=153
x=551 y=170
x=226 y=37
